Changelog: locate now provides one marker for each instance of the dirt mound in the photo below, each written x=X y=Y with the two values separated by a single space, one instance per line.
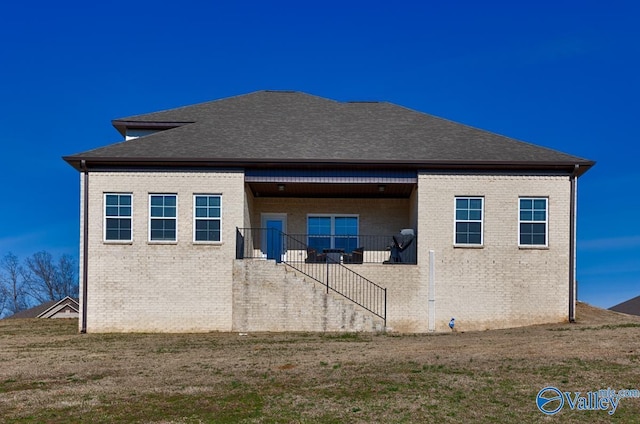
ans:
x=592 y=315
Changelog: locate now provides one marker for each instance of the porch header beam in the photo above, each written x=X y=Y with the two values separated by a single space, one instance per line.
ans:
x=329 y=180
x=332 y=176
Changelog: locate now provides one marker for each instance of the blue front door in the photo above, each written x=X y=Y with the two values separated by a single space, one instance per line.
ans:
x=274 y=239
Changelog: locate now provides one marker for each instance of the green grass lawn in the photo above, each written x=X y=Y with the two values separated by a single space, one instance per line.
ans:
x=51 y=374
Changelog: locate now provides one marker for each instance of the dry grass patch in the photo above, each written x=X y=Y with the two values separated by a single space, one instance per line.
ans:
x=50 y=373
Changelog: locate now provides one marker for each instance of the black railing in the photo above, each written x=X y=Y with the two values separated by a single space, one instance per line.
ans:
x=326 y=267
x=272 y=244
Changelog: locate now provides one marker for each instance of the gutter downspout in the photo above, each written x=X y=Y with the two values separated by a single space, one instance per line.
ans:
x=573 y=208
x=85 y=242
x=431 y=296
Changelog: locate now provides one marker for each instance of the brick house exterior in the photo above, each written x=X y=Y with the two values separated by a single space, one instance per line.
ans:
x=173 y=221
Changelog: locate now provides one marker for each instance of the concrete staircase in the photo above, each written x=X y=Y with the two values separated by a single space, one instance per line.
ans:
x=274 y=297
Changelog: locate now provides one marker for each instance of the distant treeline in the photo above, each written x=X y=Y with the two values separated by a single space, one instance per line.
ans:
x=37 y=279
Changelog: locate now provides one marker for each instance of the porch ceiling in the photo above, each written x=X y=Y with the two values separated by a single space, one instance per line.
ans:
x=331 y=190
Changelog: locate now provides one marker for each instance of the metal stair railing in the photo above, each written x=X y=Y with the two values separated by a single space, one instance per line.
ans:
x=328 y=271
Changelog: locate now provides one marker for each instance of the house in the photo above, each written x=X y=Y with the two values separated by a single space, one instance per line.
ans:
x=63 y=308
x=631 y=306
x=283 y=211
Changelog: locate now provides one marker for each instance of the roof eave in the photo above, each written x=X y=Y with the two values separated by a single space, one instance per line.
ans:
x=123 y=124
x=579 y=167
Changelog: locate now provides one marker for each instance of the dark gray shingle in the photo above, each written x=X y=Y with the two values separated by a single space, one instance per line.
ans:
x=293 y=126
x=631 y=306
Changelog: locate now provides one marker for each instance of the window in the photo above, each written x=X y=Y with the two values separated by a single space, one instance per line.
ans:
x=468 y=222
x=333 y=232
x=319 y=229
x=162 y=217
x=117 y=217
x=533 y=221
x=206 y=215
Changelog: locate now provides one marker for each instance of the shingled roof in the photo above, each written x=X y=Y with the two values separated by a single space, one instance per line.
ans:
x=298 y=128
x=631 y=306
x=47 y=309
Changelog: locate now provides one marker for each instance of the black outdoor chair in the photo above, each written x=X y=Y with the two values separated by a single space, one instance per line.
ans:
x=313 y=257
x=355 y=257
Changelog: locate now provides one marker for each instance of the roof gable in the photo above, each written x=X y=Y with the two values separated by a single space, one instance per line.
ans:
x=67 y=307
x=292 y=127
x=47 y=309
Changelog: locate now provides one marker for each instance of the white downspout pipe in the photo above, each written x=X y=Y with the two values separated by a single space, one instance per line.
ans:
x=432 y=292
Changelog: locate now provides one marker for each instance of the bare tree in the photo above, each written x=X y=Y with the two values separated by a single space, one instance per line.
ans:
x=68 y=276
x=39 y=279
x=47 y=280
x=13 y=295
x=4 y=295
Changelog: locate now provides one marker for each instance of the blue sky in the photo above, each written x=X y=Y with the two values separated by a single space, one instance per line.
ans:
x=561 y=74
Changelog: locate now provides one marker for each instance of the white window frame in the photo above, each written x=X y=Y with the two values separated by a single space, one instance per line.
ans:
x=105 y=217
x=196 y=218
x=456 y=221
x=333 y=225
x=533 y=221
x=175 y=218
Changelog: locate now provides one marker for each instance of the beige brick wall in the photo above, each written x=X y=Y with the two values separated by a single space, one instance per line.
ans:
x=183 y=286
x=406 y=294
x=169 y=287
x=274 y=297
x=500 y=284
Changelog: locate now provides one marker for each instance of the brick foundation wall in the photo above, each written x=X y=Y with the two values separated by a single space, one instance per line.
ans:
x=273 y=297
x=406 y=294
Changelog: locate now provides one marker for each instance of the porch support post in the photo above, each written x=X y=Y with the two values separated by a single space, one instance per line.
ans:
x=327 y=261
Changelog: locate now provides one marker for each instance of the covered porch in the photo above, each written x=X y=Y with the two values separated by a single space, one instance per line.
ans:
x=343 y=216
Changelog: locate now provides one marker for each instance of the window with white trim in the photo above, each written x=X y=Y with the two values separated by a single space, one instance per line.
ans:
x=332 y=232
x=206 y=217
x=468 y=220
x=533 y=221
x=117 y=217
x=162 y=217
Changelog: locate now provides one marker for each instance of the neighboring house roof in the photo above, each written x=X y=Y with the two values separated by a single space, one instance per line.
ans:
x=271 y=127
x=65 y=308
x=631 y=306
x=49 y=309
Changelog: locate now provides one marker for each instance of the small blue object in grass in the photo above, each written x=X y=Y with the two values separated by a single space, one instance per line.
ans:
x=452 y=323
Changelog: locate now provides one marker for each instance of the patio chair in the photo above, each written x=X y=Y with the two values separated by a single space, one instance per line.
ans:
x=355 y=257
x=313 y=257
